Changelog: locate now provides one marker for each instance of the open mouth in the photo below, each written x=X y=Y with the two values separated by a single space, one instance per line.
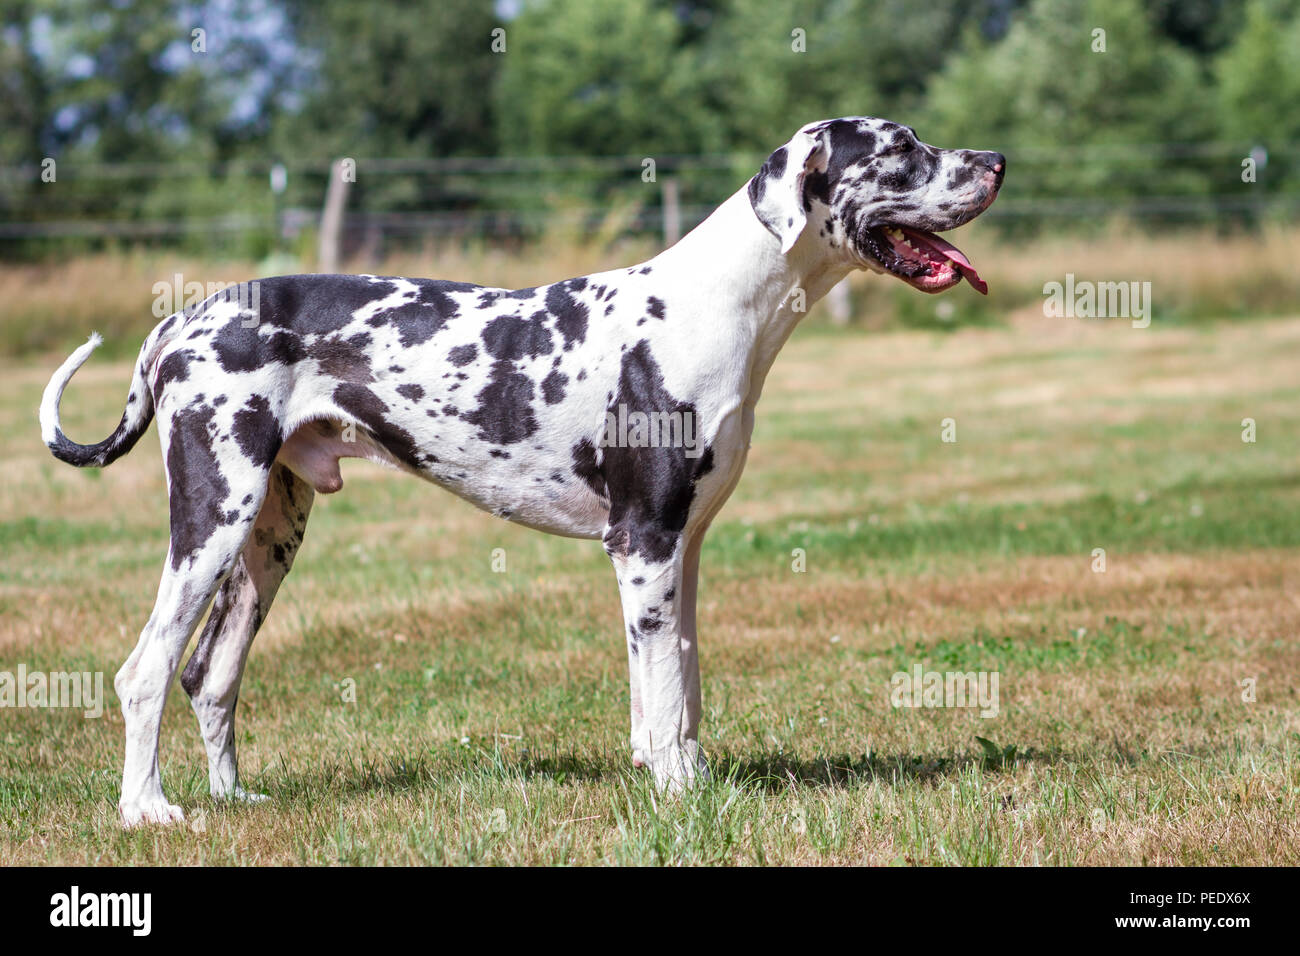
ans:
x=921 y=259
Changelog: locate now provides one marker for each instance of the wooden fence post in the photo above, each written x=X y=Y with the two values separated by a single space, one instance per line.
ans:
x=331 y=221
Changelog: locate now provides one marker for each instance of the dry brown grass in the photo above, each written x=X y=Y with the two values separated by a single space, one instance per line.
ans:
x=1120 y=691
x=1194 y=275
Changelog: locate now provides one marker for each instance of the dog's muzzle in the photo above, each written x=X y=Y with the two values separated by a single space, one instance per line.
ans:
x=921 y=258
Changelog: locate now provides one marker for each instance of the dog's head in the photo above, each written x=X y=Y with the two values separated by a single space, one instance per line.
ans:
x=874 y=193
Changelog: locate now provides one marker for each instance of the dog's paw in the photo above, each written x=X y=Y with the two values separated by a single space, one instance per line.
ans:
x=640 y=748
x=240 y=795
x=640 y=756
x=677 y=769
x=155 y=811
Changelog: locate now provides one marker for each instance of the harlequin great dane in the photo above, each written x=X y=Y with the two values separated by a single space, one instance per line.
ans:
x=518 y=401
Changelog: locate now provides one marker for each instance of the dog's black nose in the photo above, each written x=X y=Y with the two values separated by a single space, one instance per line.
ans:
x=996 y=162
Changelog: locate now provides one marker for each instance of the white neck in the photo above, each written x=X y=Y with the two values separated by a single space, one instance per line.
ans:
x=743 y=288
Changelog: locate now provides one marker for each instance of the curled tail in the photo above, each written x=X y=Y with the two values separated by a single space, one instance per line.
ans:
x=135 y=420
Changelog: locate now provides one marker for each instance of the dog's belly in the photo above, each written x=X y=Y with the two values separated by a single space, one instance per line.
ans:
x=536 y=484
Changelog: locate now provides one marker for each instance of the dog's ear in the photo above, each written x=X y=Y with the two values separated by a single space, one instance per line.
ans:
x=777 y=192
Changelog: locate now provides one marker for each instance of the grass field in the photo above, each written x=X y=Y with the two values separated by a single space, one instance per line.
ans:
x=491 y=708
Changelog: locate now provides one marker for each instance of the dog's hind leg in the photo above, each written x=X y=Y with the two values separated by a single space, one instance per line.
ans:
x=213 y=673
x=213 y=504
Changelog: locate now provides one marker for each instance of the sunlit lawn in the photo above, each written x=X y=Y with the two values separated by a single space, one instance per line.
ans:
x=491 y=708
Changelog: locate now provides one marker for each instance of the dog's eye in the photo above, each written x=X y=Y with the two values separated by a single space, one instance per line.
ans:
x=898 y=149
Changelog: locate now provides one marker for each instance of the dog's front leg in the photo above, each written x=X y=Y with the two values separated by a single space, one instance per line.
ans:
x=649 y=566
x=686 y=594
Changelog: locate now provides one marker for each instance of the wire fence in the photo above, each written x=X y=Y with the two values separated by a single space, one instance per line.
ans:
x=404 y=199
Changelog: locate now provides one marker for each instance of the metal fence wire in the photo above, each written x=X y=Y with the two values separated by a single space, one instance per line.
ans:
x=406 y=199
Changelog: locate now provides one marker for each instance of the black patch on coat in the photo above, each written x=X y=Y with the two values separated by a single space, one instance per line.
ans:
x=411 y=391
x=650 y=489
x=917 y=167
x=960 y=176
x=511 y=337
x=432 y=308
x=655 y=307
x=240 y=349
x=174 y=368
x=505 y=407
x=848 y=145
x=369 y=409
x=340 y=358
x=462 y=355
x=489 y=296
x=314 y=304
x=773 y=168
x=585 y=467
x=258 y=431
x=570 y=314
x=197 y=487
x=553 y=387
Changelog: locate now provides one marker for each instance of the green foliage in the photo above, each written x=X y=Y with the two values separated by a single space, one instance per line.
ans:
x=392 y=80
x=309 y=81
x=1259 y=82
x=587 y=77
x=1049 y=84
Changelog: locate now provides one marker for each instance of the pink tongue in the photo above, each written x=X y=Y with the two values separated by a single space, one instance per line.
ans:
x=956 y=255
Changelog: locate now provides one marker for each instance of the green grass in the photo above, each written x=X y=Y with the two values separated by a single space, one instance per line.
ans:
x=489 y=725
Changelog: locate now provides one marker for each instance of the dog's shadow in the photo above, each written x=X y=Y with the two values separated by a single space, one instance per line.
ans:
x=781 y=771
x=772 y=772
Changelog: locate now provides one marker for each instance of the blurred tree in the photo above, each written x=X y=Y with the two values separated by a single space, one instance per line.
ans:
x=783 y=63
x=1259 y=77
x=24 y=110
x=401 y=79
x=1049 y=85
x=24 y=88
x=153 y=79
x=1202 y=26
x=153 y=82
x=587 y=77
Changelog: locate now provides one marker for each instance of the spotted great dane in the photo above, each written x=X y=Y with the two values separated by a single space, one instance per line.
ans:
x=508 y=399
